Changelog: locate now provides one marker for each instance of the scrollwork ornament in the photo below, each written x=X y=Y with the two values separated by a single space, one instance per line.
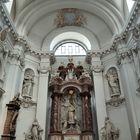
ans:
x=115 y=101
x=27 y=102
x=97 y=68
x=44 y=69
x=136 y=32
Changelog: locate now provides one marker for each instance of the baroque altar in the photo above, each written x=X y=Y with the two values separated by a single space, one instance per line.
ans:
x=71 y=116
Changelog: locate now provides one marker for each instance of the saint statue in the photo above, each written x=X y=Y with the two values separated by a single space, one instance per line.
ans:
x=113 y=82
x=108 y=132
x=27 y=83
x=71 y=114
x=36 y=131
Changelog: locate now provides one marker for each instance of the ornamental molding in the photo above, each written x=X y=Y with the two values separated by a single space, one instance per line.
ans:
x=27 y=102
x=7 y=19
x=70 y=17
x=97 y=68
x=115 y=101
x=17 y=56
x=44 y=69
x=127 y=53
x=122 y=37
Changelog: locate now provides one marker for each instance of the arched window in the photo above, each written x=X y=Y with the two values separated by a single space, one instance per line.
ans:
x=70 y=48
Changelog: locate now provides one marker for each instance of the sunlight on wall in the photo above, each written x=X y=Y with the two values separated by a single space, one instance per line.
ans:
x=130 y=4
x=9 y=5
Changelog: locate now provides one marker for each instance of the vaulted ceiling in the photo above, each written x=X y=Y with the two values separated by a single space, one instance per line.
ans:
x=34 y=19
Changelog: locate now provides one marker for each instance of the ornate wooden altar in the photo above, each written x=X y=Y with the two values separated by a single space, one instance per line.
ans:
x=71 y=116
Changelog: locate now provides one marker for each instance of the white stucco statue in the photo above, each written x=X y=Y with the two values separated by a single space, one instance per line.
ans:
x=108 y=132
x=136 y=59
x=27 y=83
x=113 y=82
x=36 y=131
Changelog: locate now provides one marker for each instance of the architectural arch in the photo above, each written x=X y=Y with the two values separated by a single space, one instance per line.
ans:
x=90 y=38
x=106 y=12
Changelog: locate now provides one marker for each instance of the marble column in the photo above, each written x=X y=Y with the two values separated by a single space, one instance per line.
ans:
x=129 y=85
x=87 y=132
x=42 y=101
x=11 y=118
x=55 y=114
x=87 y=115
x=99 y=95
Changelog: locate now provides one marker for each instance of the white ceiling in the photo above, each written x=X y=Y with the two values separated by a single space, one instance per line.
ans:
x=34 y=19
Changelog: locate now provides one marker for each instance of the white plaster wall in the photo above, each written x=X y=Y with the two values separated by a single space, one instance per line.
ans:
x=24 y=122
x=119 y=118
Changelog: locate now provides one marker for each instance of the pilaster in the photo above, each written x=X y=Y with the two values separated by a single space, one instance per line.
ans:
x=97 y=69
x=129 y=84
x=42 y=101
x=15 y=60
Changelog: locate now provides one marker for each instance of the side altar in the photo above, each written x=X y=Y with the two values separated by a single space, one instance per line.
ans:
x=71 y=116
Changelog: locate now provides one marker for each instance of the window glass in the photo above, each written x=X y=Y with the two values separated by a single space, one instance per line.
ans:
x=70 y=48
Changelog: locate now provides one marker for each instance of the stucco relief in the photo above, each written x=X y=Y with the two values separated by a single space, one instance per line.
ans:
x=70 y=17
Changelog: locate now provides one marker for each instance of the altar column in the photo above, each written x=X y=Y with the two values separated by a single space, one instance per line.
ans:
x=41 y=112
x=129 y=86
x=87 y=132
x=99 y=94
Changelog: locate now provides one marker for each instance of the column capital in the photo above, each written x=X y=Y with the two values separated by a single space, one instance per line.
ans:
x=97 y=68
x=124 y=57
x=17 y=57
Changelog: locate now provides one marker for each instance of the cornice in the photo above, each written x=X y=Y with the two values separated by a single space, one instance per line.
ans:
x=121 y=37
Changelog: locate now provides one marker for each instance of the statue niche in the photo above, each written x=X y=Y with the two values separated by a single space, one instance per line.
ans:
x=71 y=110
x=28 y=83
x=113 y=82
x=71 y=114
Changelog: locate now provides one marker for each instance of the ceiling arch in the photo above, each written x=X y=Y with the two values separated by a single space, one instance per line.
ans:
x=36 y=21
x=30 y=15
x=83 y=35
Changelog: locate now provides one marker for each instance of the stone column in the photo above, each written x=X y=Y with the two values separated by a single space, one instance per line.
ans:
x=129 y=86
x=87 y=115
x=10 y=122
x=55 y=114
x=42 y=101
x=99 y=94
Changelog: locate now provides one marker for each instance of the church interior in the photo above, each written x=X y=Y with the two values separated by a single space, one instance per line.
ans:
x=69 y=69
